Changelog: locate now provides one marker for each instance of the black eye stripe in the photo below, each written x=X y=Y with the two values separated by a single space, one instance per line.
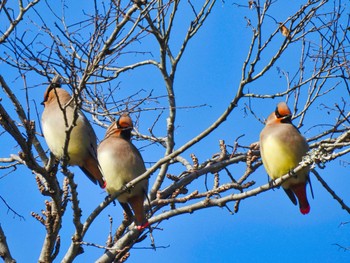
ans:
x=278 y=115
x=284 y=118
x=123 y=128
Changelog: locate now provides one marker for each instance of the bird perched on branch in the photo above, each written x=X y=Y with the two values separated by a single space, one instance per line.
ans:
x=63 y=125
x=282 y=148
x=121 y=162
x=284 y=30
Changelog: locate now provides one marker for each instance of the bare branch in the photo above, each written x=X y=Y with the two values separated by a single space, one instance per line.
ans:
x=9 y=208
x=4 y=249
x=14 y=22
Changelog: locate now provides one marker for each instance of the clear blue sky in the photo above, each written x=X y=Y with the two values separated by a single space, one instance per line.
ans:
x=268 y=228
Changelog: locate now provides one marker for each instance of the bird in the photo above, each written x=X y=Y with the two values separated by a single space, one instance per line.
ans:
x=58 y=117
x=121 y=162
x=282 y=148
x=284 y=30
x=251 y=4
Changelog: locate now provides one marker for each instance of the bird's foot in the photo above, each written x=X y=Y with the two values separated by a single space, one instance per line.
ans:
x=272 y=183
x=126 y=189
x=108 y=197
x=292 y=174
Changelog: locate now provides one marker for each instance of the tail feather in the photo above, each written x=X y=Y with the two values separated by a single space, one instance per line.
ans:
x=311 y=189
x=291 y=196
x=127 y=209
x=88 y=174
x=136 y=203
x=93 y=172
x=300 y=191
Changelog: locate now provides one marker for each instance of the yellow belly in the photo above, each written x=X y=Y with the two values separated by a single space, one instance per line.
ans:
x=279 y=159
x=120 y=166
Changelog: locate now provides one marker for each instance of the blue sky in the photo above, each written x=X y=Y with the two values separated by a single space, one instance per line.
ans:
x=267 y=228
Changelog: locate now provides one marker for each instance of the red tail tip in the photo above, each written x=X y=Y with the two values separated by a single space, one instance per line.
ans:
x=300 y=191
x=305 y=210
x=141 y=227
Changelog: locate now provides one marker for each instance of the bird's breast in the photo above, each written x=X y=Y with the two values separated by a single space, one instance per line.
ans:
x=55 y=133
x=120 y=165
x=278 y=157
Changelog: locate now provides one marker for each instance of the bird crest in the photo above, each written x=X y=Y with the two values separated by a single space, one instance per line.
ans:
x=124 y=122
x=121 y=128
x=283 y=113
x=55 y=83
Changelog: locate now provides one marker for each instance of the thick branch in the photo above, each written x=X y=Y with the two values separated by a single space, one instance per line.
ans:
x=4 y=249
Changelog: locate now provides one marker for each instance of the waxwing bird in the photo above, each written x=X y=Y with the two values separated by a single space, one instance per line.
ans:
x=282 y=148
x=121 y=162
x=251 y=4
x=57 y=118
x=284 y=30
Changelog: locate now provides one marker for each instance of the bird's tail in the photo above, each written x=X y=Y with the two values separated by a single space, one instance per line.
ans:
x=300 y=191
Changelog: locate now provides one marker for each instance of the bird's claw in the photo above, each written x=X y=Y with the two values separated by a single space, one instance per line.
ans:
x=125 y=188
x=272 y=183
x=292 y=174
x=108 y=197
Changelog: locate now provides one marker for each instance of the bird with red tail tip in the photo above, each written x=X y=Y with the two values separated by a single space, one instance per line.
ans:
x=282 y=148
x=60 y=114
x=121 y=162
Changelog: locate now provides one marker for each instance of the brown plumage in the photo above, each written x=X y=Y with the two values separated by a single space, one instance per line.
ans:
x=282 y=148
x=284 y=30
x=121 y=162
x=251 y=4
x=57 y=117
